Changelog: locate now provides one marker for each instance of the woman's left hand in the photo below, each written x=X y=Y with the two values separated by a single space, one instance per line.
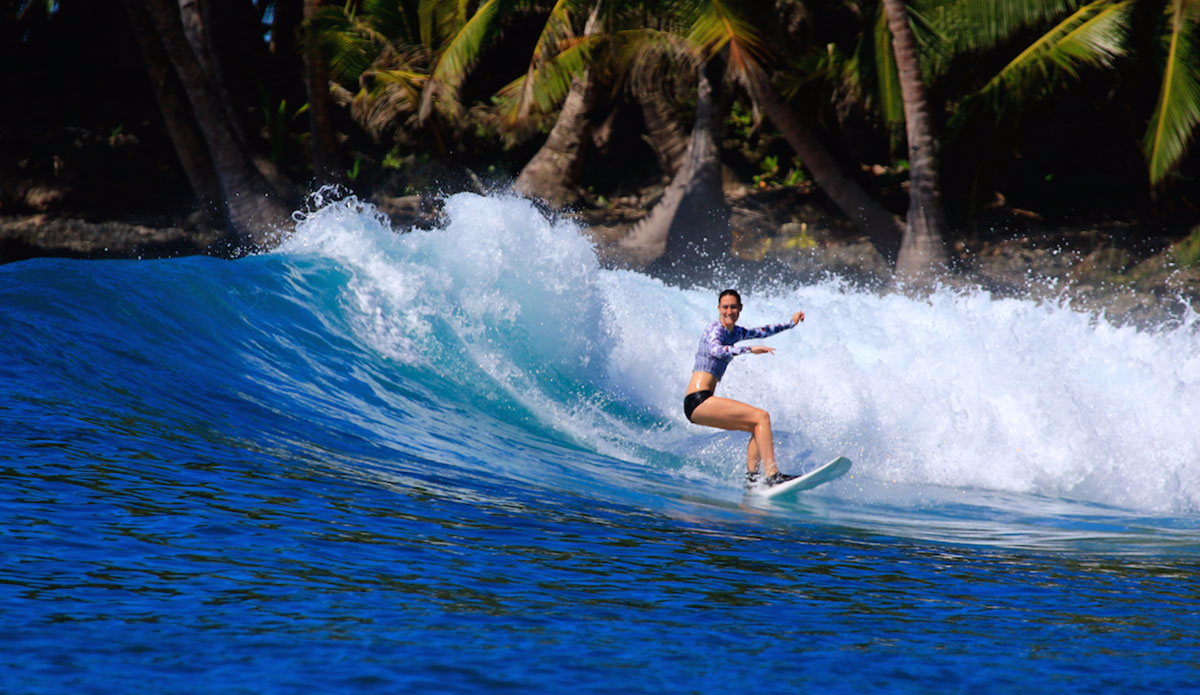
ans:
x=797 y=318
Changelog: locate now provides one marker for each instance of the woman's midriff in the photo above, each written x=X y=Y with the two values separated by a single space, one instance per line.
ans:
x=702 y=381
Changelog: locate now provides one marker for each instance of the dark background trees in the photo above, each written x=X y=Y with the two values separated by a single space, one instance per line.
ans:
x=434 y=100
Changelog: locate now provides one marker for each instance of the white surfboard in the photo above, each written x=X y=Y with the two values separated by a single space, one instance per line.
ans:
x=818 y=476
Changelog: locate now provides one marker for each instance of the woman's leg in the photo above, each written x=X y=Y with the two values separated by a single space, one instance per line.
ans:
x=728 y=414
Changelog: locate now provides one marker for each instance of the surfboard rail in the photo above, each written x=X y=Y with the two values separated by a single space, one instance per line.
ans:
x=818 y=476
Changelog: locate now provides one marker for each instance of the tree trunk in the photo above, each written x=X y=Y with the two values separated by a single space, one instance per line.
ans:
x=922 y=251
x=326 y=157
x=254 y=215
x=177 y=114
x=668 y=141
x=553 y=173
x=883 y=228
x=690 y=223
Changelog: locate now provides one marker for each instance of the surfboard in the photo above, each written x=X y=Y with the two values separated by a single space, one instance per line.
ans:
x=818 y=476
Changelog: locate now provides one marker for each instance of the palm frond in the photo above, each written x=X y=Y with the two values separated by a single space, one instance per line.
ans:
x=388 y=99
x=717 y=25
x=350 y=41
x=1177 y=109
x=1091 y=36
x=976 y=26
x=658 y=64
x=396 y=19
x=547 y=78
x=459 y=54
x=540 y=91
x=887 y=76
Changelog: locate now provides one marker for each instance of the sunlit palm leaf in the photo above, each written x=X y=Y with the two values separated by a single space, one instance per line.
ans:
x=548 y=76
x=1177 y=109
x=1091 y=36
x=460 y=53
x=542 y=89
x=717 y=25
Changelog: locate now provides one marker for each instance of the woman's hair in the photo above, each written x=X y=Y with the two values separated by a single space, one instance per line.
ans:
x=733 y=293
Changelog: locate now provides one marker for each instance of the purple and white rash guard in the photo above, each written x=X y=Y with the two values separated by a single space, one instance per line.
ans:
x=717 y=345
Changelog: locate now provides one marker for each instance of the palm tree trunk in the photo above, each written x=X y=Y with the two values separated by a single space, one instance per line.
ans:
x=327 y=161
x=922 y=250
x=668 y=141
x=691 y=221
x=553 y=173
x=177 y=115
x=254 y=216
x=883 y=228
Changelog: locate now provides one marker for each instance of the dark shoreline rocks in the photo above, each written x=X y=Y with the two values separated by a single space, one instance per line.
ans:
x=42 y=235
x=1093 y=269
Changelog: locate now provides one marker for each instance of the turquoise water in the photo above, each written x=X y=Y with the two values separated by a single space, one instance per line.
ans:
x=454 y=462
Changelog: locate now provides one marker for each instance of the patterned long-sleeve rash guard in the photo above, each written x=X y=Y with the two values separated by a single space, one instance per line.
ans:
x=717 y=347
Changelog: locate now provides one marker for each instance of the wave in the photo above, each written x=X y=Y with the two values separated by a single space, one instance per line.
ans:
x=498 y=345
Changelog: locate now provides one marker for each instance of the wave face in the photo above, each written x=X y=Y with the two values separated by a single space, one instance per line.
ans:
x=475 y=433
x=513 y=313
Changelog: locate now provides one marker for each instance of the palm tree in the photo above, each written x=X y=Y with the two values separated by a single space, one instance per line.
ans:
x=552 y=173
x=182 y=129
x=1087 y=36
x=690 y=222
x=1176 y=113
x=722 y=26
x=255 y=215
x=326 y=157
x=922 y=250
x=383 y=47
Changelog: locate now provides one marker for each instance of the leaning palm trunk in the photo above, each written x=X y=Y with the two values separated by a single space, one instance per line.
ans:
x=552 y=174
x=254 y=216
x=882 y=227
x=922 y=250
x=668 y=140
x=177 y=116
x=690 y=223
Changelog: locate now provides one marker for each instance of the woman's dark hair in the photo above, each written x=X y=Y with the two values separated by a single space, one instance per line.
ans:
x=733 y=293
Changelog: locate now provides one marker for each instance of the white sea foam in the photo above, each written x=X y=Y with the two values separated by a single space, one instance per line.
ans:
x=957 y=389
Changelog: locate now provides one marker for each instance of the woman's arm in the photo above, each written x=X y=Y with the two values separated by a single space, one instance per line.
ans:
x=712 y=338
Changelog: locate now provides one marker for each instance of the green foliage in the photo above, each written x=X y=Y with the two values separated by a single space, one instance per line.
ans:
x=393 y=160
x=1187 y=252
x=1092 y=36
x=277 y=126
x=1177 y=108
x=974 y=26
x=741 y=120
x=770 y=171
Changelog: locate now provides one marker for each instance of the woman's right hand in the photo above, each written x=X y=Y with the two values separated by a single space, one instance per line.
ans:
x=761 y=350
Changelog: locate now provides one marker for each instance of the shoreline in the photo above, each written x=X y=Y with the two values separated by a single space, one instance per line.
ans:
x=1114 y=270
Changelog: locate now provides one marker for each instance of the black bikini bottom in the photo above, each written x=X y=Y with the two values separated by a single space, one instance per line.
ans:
x=692 y=400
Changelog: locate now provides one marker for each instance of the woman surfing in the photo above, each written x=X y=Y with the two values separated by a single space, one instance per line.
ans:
x=700 y=406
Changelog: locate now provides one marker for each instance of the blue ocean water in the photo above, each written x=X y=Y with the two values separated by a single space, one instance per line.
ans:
x=454 y=461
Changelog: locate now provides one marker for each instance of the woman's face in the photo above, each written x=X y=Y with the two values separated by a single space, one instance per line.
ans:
x=730 y=309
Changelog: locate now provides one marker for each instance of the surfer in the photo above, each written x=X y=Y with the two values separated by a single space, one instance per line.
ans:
x=703 y=408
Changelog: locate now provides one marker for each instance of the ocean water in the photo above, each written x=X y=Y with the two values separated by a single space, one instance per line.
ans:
x=454 y=461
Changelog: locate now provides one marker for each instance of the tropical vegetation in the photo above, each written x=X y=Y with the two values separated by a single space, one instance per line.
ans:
x=1072 y=107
